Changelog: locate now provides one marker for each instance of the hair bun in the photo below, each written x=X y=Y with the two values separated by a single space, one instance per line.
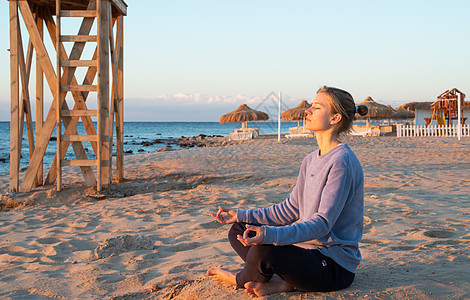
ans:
x=362 y=110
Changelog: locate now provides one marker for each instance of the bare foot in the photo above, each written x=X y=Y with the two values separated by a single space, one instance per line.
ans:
x=222 y=276
x=275 y=285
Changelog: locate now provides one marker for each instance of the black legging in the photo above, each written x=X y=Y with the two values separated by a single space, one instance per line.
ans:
x=304 y=269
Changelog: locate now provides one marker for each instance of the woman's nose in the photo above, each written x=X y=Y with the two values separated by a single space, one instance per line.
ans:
x=308 y=112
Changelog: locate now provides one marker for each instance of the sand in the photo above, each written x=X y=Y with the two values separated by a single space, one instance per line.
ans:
x=151 y=237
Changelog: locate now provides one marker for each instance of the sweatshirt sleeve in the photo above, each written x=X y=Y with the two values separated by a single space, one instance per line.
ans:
x=333 y=199
x=279 y=214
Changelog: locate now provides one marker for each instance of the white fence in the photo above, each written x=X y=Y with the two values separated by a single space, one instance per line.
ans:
x=432 y=130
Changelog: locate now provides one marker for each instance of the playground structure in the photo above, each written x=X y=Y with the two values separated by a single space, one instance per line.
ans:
x=70 y=96
x=446 y=108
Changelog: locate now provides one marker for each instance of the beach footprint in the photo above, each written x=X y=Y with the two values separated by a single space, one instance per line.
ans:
x=439 y=234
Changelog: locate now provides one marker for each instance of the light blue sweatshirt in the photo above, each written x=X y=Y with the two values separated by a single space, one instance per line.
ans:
x=324 y=211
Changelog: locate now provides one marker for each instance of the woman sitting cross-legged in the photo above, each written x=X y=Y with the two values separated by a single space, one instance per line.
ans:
x=309 y=242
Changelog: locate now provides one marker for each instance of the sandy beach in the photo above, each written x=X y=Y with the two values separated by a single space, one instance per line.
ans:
x=151 y=237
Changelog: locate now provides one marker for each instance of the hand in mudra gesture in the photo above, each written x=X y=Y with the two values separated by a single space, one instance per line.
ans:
x=253 y=235
x=225 y=216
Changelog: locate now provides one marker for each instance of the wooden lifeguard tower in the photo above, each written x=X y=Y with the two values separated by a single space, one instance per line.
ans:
x=446 y=108
x=103 y=78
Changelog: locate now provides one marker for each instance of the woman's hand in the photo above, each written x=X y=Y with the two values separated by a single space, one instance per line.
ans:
x=253 y=235
x=225 y=216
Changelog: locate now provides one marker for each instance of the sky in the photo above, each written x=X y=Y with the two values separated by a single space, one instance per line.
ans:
x=197 y=60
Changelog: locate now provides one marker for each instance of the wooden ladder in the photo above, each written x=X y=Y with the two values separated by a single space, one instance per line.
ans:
x=65 y=65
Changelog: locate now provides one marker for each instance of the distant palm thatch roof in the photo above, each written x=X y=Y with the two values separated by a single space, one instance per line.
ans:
x=401 y=114
x=412 y=106
x=243 y=114
x=296 y=113
x=376 y=110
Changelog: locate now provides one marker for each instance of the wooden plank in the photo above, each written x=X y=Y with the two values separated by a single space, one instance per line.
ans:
x=38 y=44
x=120 y=113
x=39 y=98
x=25 y=105
x=78 y=13
x=78 y=38
x=58 y=95
x=23 y=90
x=79 y=163
x=114 y=90
x=78 y=63
x=79 y=113
x=121 y=6
x=79 y=88
x=14 y=99
x=104 y=176
x=79 y=138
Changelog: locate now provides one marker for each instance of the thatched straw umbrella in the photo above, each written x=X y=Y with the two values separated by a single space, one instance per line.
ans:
x=412 y=106
x=401 y=114
x=297 y=113
x=243 y=114
x=376 y=110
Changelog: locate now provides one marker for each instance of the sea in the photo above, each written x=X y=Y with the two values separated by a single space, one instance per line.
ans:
x=134 y=134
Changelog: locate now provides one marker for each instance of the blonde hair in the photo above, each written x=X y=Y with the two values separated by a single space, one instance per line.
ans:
x=343 y=103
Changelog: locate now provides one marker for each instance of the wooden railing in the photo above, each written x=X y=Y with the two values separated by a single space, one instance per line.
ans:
x=432 y=130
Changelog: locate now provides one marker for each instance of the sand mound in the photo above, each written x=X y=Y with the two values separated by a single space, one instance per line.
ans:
x=123 y=243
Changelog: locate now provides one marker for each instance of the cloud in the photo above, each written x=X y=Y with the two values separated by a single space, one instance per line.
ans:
x=198 y=107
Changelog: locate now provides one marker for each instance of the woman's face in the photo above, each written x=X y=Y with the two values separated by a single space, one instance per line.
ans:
x=319 y=115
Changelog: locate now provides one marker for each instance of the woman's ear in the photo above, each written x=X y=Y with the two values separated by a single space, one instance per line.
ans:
x=335 y=119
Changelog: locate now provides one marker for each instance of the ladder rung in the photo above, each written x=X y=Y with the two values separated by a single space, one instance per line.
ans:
x=79 y=113
x=78 y=162
x=78 y=13
x=78 y=63
x=79 y=88
x=78 y=38
x=79 y=138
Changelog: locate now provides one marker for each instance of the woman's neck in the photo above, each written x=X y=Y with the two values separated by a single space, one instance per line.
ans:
x=327 y=141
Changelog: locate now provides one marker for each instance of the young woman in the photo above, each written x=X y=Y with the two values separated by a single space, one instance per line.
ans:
x=309 y=242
